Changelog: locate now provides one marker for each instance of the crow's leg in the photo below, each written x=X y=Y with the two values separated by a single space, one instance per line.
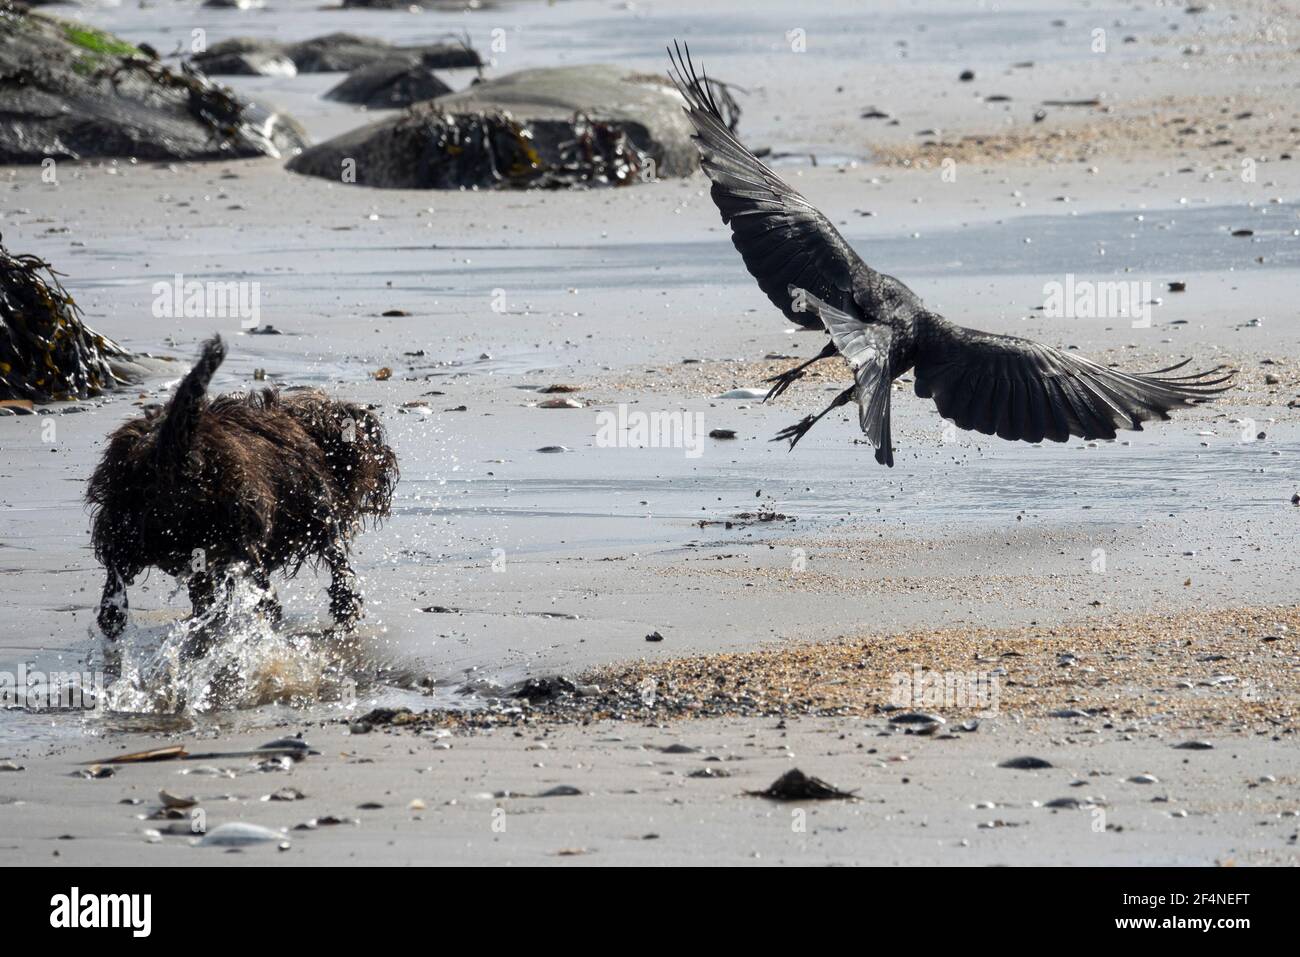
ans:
x=790 y=376
x=797 y=431
x=345 y=600
x=113 y=605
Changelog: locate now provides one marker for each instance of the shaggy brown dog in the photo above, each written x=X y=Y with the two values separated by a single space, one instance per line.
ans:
x=268 y=480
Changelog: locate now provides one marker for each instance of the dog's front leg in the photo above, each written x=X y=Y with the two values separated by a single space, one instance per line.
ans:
x=269 y=603
x=113 y=605
x=345 y=600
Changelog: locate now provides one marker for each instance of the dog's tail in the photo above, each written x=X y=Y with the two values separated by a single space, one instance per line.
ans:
x=176 y=433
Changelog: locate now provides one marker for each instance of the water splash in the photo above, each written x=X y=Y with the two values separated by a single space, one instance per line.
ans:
x=233 y=657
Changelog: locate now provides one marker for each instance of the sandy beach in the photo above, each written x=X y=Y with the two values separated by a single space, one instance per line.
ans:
x=1127 y=611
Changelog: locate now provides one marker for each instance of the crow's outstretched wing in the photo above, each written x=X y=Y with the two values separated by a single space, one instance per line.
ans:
x=866 y=347
x=784 y=240
x=998 y=385
x=1018 y=389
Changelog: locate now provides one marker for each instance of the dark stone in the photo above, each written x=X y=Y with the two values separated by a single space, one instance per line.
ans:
x=332 y=53
x=1026 y=763
x=544 y=689
x=382 y=716
x=389 y=85
x=247 y=63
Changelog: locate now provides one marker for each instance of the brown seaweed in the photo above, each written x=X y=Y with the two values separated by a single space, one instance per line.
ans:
x=493 y=150
x=47 y=353
x=794 y=785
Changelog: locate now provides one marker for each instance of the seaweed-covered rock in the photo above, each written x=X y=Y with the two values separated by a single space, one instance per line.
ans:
x=332 y=53
x=547 y=128
x=71 y=91
x=46 y=352
x=388 y=85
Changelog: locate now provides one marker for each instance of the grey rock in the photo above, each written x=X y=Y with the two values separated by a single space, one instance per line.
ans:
x=331 y=53
x=388 y=85
x=575 y=125
x=73 y=92
x=250 y=63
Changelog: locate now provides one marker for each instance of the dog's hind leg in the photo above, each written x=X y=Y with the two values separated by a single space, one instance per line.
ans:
x=203 y=592
x=345 y=600
x=113 y=605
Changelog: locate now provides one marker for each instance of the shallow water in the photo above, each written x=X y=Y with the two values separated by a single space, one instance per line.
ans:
x=450 y=511
x=617 y=502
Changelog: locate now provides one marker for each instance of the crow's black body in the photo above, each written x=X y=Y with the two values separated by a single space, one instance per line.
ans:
x=999 y=385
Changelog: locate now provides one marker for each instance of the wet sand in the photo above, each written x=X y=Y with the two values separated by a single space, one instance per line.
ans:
x=563 y=563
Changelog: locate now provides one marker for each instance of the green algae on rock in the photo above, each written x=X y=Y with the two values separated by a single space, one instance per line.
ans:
x=74 y=92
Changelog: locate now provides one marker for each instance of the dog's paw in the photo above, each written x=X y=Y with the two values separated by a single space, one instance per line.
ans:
x=112 y=621
x=106 y=658
x=346 y=610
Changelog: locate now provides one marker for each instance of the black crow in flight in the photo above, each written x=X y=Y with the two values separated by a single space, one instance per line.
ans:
x=1003 y=385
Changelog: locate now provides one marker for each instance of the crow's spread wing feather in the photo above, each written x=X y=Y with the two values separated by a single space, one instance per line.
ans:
x=866 y=347
x=1018 y=389
x=784 y=240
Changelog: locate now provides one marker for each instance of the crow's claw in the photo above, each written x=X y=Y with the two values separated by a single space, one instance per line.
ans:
x=795 y=432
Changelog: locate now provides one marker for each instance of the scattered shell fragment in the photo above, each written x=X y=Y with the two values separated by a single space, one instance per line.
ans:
x=916 y=717
x=239 y=834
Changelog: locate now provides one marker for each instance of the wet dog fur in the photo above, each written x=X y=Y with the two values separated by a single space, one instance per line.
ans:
x=267 y=481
